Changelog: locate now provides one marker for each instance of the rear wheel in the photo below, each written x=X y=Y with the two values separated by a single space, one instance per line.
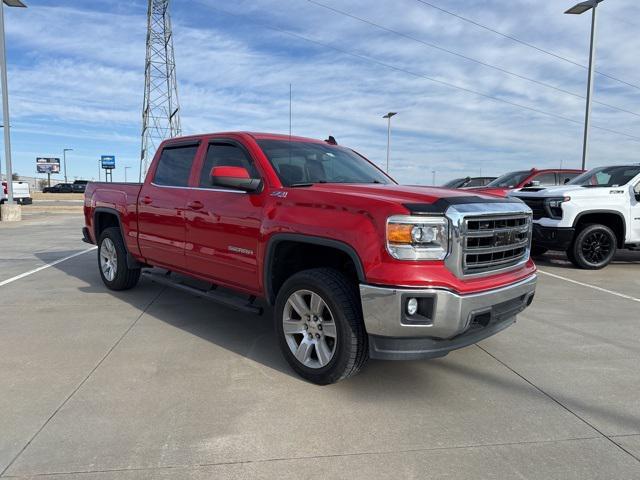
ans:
x=112 y=261
x=593 y=247
x=319 y=325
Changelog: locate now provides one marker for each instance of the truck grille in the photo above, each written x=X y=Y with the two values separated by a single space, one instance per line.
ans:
x=494 y=242
x=537 y=206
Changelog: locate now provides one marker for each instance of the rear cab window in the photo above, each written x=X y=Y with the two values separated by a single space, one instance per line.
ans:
x=174 y=165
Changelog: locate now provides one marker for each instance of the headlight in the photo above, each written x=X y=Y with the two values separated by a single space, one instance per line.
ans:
x=417 y=238
x=555 y=206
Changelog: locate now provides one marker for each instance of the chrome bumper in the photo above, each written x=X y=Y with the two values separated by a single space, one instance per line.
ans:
x=445 y=320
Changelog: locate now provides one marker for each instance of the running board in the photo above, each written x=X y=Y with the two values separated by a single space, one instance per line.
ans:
x=237 y=302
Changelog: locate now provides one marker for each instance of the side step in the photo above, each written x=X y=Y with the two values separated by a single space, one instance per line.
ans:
x=235 y=301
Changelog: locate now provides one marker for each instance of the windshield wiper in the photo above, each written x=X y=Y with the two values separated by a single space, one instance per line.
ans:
x=307 y=184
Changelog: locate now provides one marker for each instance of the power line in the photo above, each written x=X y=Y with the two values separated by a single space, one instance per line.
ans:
x=419 y=75
x=522 y=42
x=465 y=57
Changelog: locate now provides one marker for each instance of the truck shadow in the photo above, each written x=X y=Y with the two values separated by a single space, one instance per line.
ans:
x=559 y=259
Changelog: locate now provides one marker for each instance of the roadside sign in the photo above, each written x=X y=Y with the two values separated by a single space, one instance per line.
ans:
x=108 y=162
x=47 y=165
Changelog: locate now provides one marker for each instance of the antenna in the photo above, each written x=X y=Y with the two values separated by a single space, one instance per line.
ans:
x=160 y=109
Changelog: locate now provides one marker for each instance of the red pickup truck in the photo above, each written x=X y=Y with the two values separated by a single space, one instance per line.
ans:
x=528 y=178
x=355 y=265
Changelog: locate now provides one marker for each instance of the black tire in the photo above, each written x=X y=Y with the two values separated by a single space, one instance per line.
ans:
x=342 y=300
x=124 y=277
x=593 y=247
x=537 y=251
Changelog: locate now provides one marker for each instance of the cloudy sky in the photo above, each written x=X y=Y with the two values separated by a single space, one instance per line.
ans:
x=76 y=73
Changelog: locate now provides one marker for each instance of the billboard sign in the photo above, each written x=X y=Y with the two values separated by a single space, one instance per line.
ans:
x=47 y=165
x=108 y=162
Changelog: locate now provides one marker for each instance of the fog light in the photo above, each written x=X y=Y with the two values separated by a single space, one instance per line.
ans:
x=412 y=306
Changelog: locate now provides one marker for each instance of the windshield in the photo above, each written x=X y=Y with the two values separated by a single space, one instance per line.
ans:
x=509 y=180
x=302 y=163
x=606 y=176
x=455 y=183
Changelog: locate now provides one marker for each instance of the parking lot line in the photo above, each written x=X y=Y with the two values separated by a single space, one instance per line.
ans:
x=36 y=270
x=600 y=289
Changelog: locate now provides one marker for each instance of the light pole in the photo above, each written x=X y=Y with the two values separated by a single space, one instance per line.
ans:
x=388 y=117
x=125 y=173
x=579 y=9
x=64 y=160
x=5 y=96
x=99 y=169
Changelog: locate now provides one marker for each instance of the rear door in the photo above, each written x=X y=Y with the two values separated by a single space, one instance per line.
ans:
x=223 y=224
x=161 y=207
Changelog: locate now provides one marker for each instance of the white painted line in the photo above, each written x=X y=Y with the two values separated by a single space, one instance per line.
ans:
x=36 y=270
x=600 y=289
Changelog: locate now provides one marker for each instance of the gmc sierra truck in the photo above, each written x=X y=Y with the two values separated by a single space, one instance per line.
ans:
x=590 y=217
x=354 y=265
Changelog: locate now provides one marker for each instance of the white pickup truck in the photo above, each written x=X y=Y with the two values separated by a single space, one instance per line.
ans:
x=589 y=217
x=21 y=193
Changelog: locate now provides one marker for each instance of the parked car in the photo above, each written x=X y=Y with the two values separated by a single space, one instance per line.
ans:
x=59 y=188
x=468 y=182
x=21 y=193
x=528 y=178
x=355 y=265
x=79 y=186
x=590 y=217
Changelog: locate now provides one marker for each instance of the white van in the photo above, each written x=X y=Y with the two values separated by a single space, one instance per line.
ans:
x=21 y=193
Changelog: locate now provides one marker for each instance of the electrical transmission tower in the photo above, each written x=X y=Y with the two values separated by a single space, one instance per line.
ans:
x=160 y=110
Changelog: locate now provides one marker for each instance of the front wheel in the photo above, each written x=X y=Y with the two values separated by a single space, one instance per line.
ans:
x=319 y=324
x=593 y=248
x=112 y=261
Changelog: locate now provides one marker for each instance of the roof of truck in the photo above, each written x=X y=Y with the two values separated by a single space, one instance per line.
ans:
x=255 y=135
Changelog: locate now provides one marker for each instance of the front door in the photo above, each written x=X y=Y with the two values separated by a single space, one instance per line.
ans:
x=161 y=208
x=223 y=224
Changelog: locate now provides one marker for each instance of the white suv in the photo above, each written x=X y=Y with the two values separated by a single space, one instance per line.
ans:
x=590 y=217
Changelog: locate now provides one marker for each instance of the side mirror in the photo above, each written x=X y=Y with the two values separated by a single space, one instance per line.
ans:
x=636 y=191
x=566 y=180
x=234 y=177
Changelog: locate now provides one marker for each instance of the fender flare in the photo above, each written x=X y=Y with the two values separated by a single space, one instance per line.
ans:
x=621 y=241
x=278 y=238
x=131 y=261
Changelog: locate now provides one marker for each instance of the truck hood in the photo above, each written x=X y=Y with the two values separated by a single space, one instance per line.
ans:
x=495 y=191
x=395 y=193
x=575 y=191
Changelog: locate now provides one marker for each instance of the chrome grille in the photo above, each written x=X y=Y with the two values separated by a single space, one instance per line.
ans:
x=494 y=242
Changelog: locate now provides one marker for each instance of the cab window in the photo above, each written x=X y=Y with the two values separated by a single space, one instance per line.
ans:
x=225 y=155
x=174 y=166
x=546 y=179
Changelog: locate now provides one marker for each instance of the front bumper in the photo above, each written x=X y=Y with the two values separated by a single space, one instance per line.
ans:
x=445 y=320
x=553 y=238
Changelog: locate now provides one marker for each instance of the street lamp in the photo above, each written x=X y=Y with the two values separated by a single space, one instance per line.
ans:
x=388 y=117
x=5 y=96
x=64 y=161
x=579 y=9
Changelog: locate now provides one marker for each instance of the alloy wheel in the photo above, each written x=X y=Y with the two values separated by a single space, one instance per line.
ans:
x=108 y=259
x=309 y=328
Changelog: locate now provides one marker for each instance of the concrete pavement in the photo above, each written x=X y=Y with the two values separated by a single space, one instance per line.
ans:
x=152 y=383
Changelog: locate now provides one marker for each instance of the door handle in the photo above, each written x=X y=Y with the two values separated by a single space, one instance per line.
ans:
x=146 y=200
x=195 y=205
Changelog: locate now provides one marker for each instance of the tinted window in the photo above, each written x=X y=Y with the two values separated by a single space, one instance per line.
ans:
x=565 y=177
x=225 y=155
x=606 y=177
x=475 y=182
x=510 y=180
x=310 y=162
x=174 y=166
x=455 y=183
x=545 y=179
